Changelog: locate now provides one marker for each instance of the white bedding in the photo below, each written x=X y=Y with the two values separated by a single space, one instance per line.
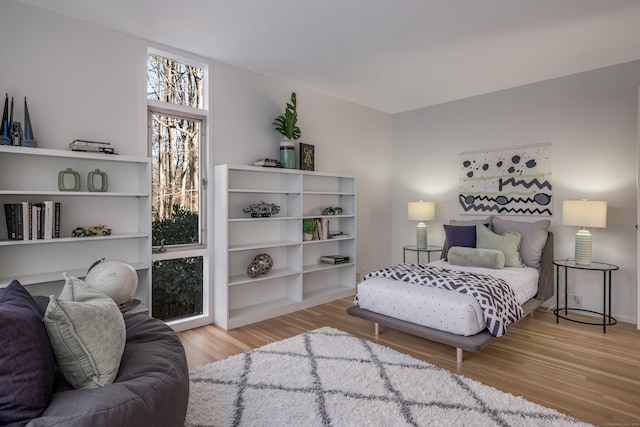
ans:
x=440 y=309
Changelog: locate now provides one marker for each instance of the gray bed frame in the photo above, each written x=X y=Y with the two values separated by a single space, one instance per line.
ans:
x=481 y=339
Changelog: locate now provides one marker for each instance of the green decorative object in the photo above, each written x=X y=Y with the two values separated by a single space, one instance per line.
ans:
x=286 y=124
x=103 y=181
x=76 y=180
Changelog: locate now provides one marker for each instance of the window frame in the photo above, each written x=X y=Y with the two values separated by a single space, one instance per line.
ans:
x=196 y=249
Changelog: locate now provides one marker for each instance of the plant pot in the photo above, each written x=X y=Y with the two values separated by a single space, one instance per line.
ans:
x=287 y=154
x=306 y=237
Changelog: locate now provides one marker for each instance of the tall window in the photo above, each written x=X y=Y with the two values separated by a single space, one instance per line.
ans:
x=177 y=122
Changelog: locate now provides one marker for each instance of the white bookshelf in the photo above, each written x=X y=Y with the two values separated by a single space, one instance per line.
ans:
x=31 y=174
x=297 y=280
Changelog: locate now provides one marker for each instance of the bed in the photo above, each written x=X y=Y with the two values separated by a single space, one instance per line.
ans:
x=396 y=298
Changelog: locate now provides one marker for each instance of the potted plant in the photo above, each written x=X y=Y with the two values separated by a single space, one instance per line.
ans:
x=309 y=228
x=286 y=124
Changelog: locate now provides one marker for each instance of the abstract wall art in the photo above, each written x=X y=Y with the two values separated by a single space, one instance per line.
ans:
x=513 y=181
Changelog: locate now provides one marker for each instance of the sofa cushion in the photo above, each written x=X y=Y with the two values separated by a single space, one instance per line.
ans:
x=508 y=243
x=27 y=364
x=87 y=333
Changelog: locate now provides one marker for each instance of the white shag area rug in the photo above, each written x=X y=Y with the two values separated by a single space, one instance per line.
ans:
x=327 y=377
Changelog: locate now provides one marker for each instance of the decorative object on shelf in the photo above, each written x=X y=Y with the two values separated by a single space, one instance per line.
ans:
x=268 y=163
x=29 y=139
x=262 y=209
x=309 y=228
x=338 y=235
x=584 y=213
x=332 y=210
x=335 y=259
x=307 y=157
x=91 y=181
x=61 y=179
x=11 y=132
x=286 y=125
x=260 y=265
x=93 y=230
x=91 y=146
x=5 y=129
x=114 y=278
x=421 y=212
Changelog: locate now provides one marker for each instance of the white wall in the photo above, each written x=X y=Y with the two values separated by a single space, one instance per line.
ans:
x=87 y=82
x=589 y=118
x=348 y=139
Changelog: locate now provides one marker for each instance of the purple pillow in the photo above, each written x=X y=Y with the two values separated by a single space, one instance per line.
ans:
x=27 y=363
x=459 y=235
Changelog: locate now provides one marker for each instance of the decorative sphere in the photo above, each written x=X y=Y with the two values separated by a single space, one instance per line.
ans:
x=116 y=279
x=260 y=265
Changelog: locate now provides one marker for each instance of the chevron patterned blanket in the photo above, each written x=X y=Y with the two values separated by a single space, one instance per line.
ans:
x=497 y=300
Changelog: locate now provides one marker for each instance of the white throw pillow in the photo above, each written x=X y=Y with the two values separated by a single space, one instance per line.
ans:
x=87 y=333
x=509 y=244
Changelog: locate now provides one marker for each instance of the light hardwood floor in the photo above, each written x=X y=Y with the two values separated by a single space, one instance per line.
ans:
x=573 y=368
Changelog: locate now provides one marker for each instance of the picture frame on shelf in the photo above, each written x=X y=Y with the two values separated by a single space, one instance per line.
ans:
x=307 y=157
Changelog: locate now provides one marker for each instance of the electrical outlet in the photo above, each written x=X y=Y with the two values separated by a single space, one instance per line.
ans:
x=578 y=300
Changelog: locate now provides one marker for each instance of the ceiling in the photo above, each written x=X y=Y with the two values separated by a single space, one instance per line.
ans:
x=389 y=55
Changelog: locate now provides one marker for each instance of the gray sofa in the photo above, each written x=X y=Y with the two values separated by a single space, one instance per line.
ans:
x=151 y=389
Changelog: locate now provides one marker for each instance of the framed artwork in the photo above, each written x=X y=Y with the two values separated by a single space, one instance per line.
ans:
x=512 y=181
x=307 y=157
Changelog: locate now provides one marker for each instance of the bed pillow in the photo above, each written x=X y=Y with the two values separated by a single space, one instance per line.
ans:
x=508 y=243
x=534 y=237
x=27 y=364
x=459 y=235
x=87 y=332
x=476 y=257
x=486 y=221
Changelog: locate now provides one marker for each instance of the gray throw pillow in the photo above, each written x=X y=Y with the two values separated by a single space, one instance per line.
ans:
x=534 y=237
x=474 y=257
x=87 y=333
x=509 y=244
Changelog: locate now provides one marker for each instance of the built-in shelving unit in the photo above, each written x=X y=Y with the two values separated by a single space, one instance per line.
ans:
x=31 y=174
x=298 y=279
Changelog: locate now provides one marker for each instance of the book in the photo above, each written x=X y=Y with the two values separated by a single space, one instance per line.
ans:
x=18 y=222
x=335 y=259
x=9 y=214
x=56 y=220
x=48 y=219
x=26 y=220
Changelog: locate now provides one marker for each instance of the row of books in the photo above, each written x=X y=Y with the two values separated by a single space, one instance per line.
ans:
x=32 y=220
x=335 y=259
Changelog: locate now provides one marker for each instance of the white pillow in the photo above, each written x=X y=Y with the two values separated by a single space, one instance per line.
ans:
x=509 y=244
x=87 y=333
x=534 y=237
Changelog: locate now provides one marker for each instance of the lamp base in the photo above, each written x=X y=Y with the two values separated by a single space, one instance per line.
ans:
x=583 y=247
x=421 y=235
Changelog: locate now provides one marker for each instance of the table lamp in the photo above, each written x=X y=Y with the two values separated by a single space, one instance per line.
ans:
x=584 y=213
x=421 y=212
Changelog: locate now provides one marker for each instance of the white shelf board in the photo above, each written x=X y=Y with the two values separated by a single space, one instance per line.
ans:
x=242 y=279
x=72 y=239
x=330 y=291
x=322 y=266
x=53 y=276
x=261 y=245
x=259 y=309
x=72 y=154
x=70 y=193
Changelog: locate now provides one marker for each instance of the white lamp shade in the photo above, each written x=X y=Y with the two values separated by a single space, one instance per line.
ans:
x=584 y=213
x=421 y=211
